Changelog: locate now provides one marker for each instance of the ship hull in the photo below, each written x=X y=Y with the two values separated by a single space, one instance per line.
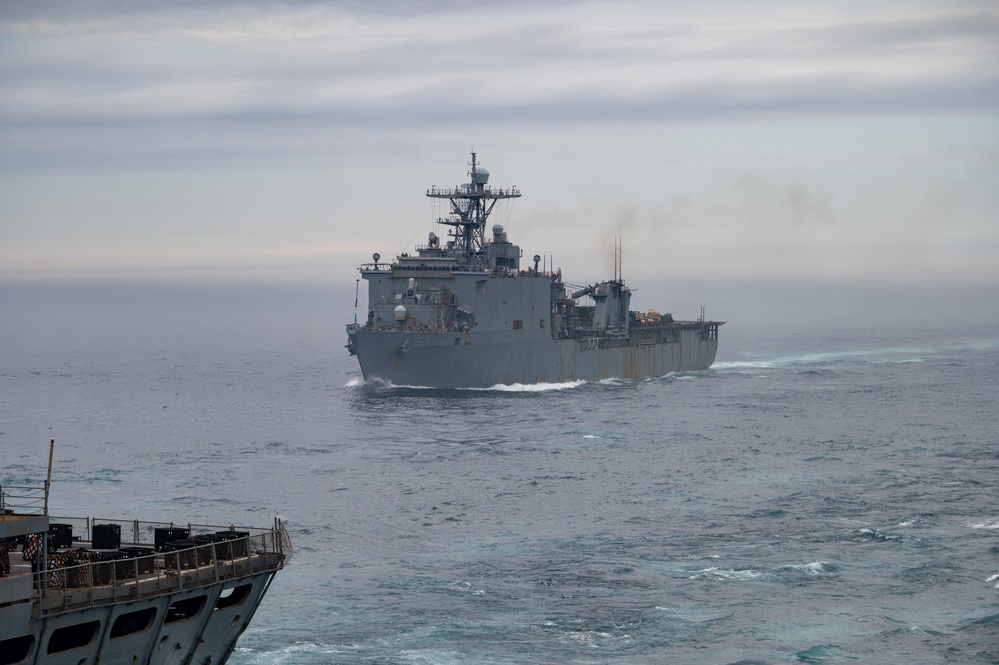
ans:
x=210 y=639
x=122 y=597
x=481 y=359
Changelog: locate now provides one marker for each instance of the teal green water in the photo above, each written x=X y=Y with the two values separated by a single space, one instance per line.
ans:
x=824 y=495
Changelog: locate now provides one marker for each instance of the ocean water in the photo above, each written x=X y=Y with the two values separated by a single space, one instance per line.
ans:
x=828 y=492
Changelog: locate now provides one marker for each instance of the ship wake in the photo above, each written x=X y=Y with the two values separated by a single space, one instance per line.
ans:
x=381 y=386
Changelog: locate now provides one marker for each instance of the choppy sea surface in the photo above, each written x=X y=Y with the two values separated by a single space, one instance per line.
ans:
x=826 y=493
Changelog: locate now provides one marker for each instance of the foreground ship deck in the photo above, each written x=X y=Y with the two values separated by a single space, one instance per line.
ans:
x=464 y=313
x=84 y=590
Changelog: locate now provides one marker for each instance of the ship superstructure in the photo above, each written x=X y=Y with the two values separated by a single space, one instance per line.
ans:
x=118 y=592
x=464 y=313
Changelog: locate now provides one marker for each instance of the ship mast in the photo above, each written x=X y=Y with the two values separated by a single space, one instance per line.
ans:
x=471 y=205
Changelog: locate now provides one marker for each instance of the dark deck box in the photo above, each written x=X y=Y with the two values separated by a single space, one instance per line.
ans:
x=105 y=536
x=164 y=535
x=233 y=544
x=61 y=535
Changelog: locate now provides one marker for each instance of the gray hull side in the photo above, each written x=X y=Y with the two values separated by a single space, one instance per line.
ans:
x=208 y=637
x=481 y=359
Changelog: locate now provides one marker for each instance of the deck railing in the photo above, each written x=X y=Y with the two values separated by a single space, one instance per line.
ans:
x=82 y=578
x=22 y=500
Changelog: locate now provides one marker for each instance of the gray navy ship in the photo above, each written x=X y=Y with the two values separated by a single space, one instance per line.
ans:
x=464 y=313
x=80 y=590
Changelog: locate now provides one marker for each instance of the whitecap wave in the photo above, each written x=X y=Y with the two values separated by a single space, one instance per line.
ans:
x=813 y=568
x=378 y=385
x=533 y=387
x=745 y=364
x=896 y=355
x=873 y=535
x=294 y=652
x=715 y=573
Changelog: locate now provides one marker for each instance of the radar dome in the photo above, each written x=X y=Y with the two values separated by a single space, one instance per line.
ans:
x=481 y=176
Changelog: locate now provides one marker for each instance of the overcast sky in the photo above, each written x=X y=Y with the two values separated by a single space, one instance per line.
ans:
x=829 y=141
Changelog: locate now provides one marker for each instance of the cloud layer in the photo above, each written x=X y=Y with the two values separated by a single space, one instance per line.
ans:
x=182 y=137
x=179 y=81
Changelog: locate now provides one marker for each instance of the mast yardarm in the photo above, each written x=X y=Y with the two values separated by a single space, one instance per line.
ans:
x=471 y=205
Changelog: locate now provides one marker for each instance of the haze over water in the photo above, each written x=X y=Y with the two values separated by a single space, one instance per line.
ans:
x=187 y=188
x=825 y=493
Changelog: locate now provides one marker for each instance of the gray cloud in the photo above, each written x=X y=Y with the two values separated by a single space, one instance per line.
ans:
x=110 y=81
x=758 y=138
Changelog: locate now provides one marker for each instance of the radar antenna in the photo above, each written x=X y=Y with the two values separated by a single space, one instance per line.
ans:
x=471 y=205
